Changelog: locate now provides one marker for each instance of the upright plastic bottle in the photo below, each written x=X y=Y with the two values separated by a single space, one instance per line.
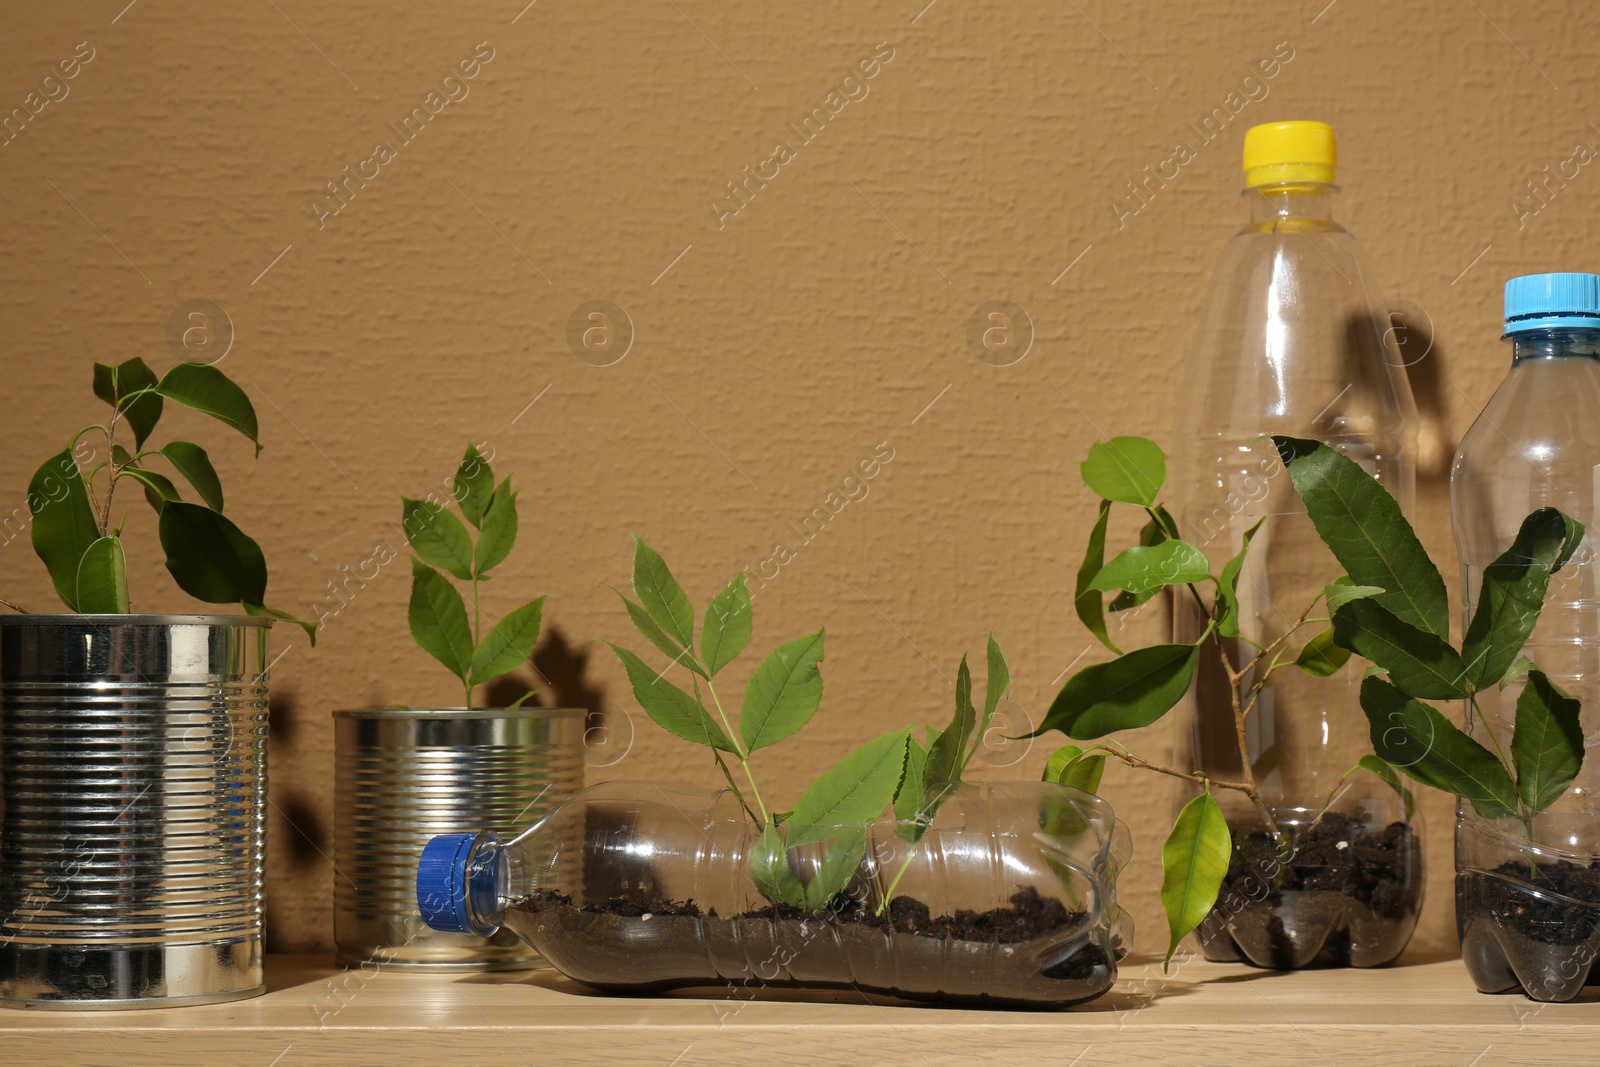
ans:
x=1289 y=343
x=1528 y=897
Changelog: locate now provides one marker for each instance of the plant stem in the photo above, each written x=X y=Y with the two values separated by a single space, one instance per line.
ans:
x=1481 y=719
x=744 y=757
x=1235 y=677
x=722 y=764
x=1189 y=776
x=15 y=608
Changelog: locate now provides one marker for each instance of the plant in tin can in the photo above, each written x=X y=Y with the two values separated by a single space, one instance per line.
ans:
x=77 y=529
x=446 y=548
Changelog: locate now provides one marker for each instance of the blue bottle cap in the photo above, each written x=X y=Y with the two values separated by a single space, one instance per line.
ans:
x=1552 y=301
x=442 y=883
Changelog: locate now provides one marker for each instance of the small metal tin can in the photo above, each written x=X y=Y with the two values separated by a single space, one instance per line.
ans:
x=403 y=776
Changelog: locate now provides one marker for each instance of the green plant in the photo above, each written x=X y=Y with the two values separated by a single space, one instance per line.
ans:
x=783 y=693
x=437 y=612
x=1402 y=626
x=1390 y=608
x=77 y=533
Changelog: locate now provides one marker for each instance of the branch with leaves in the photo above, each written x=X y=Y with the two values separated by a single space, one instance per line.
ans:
x=437 y=612
x=1390 y=608
x=780 y=698
x=1400 y=623
x=77 y=531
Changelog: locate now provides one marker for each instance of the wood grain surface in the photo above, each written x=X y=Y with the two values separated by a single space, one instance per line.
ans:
x=1203 y=1013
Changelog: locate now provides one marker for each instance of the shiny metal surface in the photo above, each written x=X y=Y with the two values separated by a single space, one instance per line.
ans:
x=132 y=788
x=403 y=776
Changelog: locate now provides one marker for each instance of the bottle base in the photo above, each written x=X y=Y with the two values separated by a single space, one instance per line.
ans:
x=1530 y=926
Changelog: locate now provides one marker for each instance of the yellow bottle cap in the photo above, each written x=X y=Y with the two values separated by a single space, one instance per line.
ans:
x=1290 y=152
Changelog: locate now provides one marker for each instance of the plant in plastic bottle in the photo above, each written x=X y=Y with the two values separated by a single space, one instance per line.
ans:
x=1390 y=609
x=888 y=872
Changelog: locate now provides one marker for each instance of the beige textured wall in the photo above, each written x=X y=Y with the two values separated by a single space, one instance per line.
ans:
x=774 y=347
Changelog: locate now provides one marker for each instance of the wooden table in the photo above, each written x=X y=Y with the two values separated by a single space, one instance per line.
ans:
x=1416 y=1014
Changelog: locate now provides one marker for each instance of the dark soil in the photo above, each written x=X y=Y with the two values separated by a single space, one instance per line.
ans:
x=1535 y=929
x=1034 y=953
x=1342 y=891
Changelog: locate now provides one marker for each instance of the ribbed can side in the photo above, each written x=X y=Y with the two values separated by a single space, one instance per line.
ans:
x=402 y=777
x=132 y=821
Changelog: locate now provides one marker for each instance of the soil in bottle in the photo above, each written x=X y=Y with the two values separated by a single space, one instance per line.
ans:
x=1339 y=888
x=1034 y=952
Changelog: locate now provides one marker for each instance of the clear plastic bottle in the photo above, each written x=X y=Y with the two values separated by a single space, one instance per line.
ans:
x=1008 y=897
x=1289 y=342
x=1528 y=898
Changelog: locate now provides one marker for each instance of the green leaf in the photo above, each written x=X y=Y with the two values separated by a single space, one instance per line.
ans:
x=947 y=756
x=1228 y=586
x=191 y=461
x=1363 y=526
x=1421 y=743
x=1511 y=595
x=115 y=384
x=1126 y=693
x=1070 y=766
x=474 y=485
x=499 y=530
x=206 y=389
x=726 y=628
x=437 y=536
x=63 y=522
x=661 y=595
x=1522 y=665
x=1151 y=533
x=1194 y=860
x=283 y=616
x=438 y=618
x=997 y=681
x=210 y=558
x=1341 y=591
x=837 y=868
x=908 y=798
x=1088 y=602
x=1547 y=745
x=1141 y=570
x=670 y=707
x=659 y=637
x=103 y=579
x=783 y=693
x=1322 y=657
x=158 y=488
x=854 y=792
x=509 y=644
x=1420 y=663
x=1125 y=469
x=1373 y=765
x=769 y=869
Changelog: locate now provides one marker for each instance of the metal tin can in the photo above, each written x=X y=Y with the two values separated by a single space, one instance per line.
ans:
x=404 y=775
x=132 y=794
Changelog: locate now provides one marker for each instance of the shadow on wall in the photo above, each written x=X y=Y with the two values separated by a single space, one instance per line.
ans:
x=1420 y=352
x=294 y=825
x=564 y=670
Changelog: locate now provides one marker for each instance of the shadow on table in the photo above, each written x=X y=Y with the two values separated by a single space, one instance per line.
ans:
x=1119 y=999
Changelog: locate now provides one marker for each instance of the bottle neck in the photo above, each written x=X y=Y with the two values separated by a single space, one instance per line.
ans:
x=1291 y=202
x=1556 y=344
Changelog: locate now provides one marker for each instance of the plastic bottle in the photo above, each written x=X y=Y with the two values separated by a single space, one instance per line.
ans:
x=1289 y=342
x=1528 y=897
x=1007 y=897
